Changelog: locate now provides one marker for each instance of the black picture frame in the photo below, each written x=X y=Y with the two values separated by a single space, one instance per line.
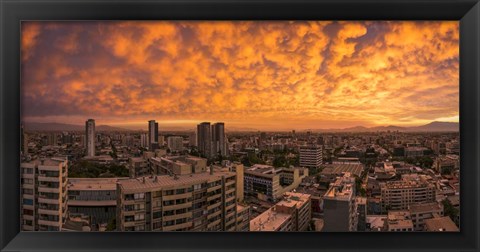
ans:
x=12 y=12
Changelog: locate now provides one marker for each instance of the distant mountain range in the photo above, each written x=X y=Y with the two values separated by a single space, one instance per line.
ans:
x=431 y=127
x=33 y=126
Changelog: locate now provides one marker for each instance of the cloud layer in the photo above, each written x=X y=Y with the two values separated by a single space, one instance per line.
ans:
x=267 y=75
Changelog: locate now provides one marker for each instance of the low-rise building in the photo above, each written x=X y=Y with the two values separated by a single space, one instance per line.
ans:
x=424 y=211
x=398 y=195
x=269 y=183
x=440 y=224
x=293 y=213
x=399 y=221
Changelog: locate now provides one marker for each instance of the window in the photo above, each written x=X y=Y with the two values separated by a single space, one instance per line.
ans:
x=28 y=202
x=139 y=216
x=168 y=213
x=140 y=228
x=157 y=215
x=169 y=223
x=139 y=196
x=180 y=191
x=169 y=192
x=157 y=194
x=129 y=197
x=139 y=207
x=169 y=202
x=27 y=191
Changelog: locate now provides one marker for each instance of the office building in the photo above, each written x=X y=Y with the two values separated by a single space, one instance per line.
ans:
x=219 y=147
x=181 y=201
x=311 y=156
x=90 y=137
x=269 y=183
x=293 y=213
x=339 y=207
x=152 y=135
x=204 y=139
x=175 y=143
x=44 y=194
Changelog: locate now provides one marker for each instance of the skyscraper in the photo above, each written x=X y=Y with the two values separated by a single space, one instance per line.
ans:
x=152 y=134
x=218 y=139
x=204 y=139
x=90 y=137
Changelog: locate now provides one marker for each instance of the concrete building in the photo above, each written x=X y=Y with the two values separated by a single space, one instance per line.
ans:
x=152 y=135
x=44 y=194
x=93 y=197
x=361 y=203
x=310 y=156
x=181 y=201
x=424 y=211
x=269 y=183
x=175 y=143
x=90 y=137
x=339 y=208
x=138 y=167
x=293 y=213
x=243 y=218
x=192 y=138
x=204 y=139
x=399 y=221
x=399 y=195
x=219 y=146
x=240 y=171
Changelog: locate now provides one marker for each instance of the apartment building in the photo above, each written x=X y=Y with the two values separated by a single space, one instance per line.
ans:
x=399 y=195
x=94 y=197
x=293 y=213
x=44 y=194
x=269 y=183
x=180 y=201
x=339 y=207
x=310 y=156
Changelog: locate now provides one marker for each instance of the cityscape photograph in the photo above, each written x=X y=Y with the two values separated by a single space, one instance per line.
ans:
x=240 y=126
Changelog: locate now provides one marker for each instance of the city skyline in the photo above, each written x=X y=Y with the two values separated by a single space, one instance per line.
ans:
x=262 y=75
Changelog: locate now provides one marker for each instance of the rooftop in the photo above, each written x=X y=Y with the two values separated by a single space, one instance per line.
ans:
x=268 y=221
x=153 y=182
x=338 y=169
x=441 y=224
x=425 y=207
x=85 y=184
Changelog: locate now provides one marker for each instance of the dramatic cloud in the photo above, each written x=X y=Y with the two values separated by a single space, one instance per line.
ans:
x=266 y=75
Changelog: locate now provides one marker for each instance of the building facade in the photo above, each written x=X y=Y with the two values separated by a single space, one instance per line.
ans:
x=185 y=201
x=399 y=195
x=310 y=156
x=90 y=137
x=152 y=135
x=339 y=206
x=44 y=194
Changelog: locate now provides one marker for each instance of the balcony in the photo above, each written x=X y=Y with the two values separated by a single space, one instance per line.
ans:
x=215 y=196
x=48 y=189
x=47 y=179
x=27 y=228
x=177 y=206
x=177 y=216
x=214 y=205
x=48 y=211
x=48 y=200
x=49 y=223
x=177 y=196
x=211 y=189
x=178 y=226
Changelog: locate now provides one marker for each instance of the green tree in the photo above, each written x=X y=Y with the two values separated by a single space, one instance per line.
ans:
x=449 y=209
x=112 y=225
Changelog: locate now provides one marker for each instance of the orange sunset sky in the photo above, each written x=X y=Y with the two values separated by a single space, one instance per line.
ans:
x=264 y=75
